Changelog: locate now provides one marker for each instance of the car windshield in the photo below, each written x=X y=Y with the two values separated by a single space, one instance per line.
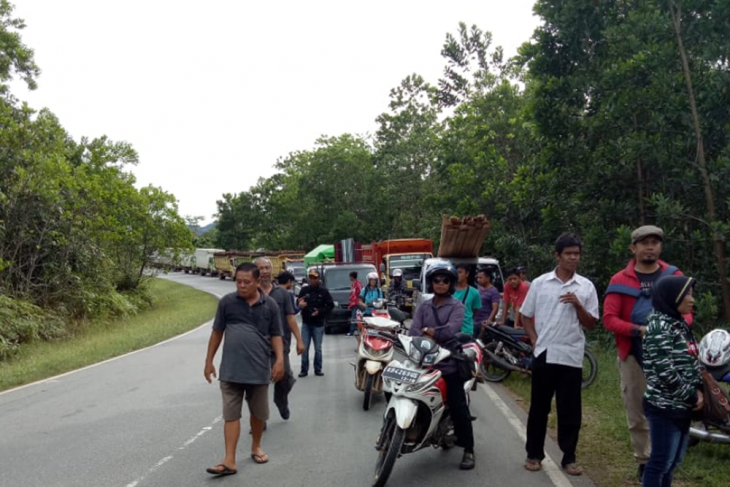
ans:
x=298 y=271
x=410 y=265
x=339 y=279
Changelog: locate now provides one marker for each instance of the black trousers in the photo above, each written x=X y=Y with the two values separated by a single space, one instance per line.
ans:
x=459 y=411
x=564 y=383
x=285 y=385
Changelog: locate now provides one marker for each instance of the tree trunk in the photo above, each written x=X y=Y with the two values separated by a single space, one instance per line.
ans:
x=640 y=179
x=718 y=239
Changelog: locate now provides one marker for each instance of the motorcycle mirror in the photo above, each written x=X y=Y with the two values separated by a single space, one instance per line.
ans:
x=417 y=284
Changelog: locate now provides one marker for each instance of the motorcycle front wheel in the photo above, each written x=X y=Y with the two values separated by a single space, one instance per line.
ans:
x=392 y=442
x=489 y=371
x=368 y=399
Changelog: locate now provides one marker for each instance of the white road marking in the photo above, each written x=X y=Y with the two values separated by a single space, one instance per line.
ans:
x=189 y=442
x=551 y=468
x=56 y=377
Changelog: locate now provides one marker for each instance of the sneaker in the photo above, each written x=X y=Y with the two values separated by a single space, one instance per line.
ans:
x=319 y=373
x=467 y=461
x=350 y=335
x=285 y=413
x=573 y=469
x=303 y=374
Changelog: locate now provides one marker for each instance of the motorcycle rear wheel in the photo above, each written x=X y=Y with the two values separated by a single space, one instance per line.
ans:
x=590 y=369
x=392 y=444
x=489 y=371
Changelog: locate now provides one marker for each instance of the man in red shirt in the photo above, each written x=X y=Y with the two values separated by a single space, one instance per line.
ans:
x=355 y=290
x=625 y=311
x=514 y=295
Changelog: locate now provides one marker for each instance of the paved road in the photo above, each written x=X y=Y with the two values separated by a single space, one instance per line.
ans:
x=149 y=419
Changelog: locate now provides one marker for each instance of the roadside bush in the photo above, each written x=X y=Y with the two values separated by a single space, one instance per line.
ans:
x=22 y=322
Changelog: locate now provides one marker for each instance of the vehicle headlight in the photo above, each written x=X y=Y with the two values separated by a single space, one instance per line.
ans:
x=337 y=304
x=414 y=353
x=430 y=358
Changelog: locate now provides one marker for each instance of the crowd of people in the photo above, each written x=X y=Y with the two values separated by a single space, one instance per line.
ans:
x=648 y=307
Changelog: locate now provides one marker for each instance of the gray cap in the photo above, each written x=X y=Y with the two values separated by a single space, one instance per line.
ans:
x=646 y=231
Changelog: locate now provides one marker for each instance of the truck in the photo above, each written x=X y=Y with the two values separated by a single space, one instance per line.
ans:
x=406 y=254
x=204 y=262
x=227 y=261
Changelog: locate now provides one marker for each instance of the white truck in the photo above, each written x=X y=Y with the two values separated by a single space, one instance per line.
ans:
x=204 y=263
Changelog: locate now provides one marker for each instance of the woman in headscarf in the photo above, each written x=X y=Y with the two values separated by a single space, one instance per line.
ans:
x=673 y=380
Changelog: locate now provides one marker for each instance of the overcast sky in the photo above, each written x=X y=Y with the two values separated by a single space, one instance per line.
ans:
x=212 y=93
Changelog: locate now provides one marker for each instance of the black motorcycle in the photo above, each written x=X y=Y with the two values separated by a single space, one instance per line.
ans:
x=506 y=350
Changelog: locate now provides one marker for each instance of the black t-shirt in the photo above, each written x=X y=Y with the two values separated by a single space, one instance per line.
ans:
x=247 y=343
x=646 y=281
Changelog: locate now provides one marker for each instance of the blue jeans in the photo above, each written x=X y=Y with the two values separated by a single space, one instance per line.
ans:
x=310 y=333
x=669 y=437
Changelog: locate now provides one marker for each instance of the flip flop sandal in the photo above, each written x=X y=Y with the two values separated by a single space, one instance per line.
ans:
x=260 y=459
x=533 y=465
x=225 y=471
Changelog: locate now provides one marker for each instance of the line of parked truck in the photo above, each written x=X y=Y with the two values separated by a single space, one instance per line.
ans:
x=335 y=262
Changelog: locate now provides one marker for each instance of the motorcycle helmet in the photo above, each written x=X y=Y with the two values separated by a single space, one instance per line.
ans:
x=372 y=275
x=441 y=269
x=715 y=348
x=398 y=273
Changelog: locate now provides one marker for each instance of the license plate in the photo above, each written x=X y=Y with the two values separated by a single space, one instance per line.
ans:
x=401 y=375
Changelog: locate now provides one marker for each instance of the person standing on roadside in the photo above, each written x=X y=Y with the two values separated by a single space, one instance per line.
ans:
x=558 y=306
x=515 y=292
x=468 y=296
x=489 y=296
x=250 y=321
x=315 y=302
x=280 y=294
x=673 y=378
x=355 y=289
x=626 y=309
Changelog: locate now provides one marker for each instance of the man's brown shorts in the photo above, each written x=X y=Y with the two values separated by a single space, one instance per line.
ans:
x=257 y=397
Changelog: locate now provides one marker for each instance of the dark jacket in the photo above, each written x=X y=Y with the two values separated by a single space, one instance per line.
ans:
x=317 y=298
x=451 y=314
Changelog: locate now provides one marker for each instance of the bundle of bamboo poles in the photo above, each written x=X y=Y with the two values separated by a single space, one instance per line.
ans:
x=463 y=237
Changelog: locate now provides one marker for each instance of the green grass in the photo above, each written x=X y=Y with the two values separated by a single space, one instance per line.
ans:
x=604 y=447
x=177 y=309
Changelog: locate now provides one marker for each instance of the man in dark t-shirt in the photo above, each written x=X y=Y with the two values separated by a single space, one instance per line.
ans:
x=251 y=323
x=280 y=293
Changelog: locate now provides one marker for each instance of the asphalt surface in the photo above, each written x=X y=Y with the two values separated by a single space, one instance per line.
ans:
x=150 y=419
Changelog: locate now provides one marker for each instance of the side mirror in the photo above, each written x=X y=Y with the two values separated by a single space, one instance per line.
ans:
x=417 y=284
x=382 y=268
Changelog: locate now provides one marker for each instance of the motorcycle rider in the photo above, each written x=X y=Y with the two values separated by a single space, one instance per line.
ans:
x=441 y=318
x=396 y=285
x=370 y=293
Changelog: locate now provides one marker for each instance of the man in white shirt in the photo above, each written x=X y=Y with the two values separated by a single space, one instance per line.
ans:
x=557 y=307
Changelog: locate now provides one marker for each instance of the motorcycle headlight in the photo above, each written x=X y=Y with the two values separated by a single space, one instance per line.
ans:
x=415 y=353
x=430 y=358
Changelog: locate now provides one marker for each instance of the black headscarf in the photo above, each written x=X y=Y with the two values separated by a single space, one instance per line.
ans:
x=669 y=292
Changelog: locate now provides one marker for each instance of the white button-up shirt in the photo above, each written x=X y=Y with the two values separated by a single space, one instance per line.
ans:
x=558 y=329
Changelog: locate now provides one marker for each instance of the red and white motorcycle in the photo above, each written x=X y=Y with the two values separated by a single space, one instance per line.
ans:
x=374 y=351
x=417 y=416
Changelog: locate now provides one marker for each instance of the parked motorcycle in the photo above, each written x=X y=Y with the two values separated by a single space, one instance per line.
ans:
x=506 y=350
x=374 y=352
x=714 y=355
x=417 y=415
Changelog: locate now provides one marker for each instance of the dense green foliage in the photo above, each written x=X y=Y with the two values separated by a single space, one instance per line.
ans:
x=594 y=127
x=76 y=235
